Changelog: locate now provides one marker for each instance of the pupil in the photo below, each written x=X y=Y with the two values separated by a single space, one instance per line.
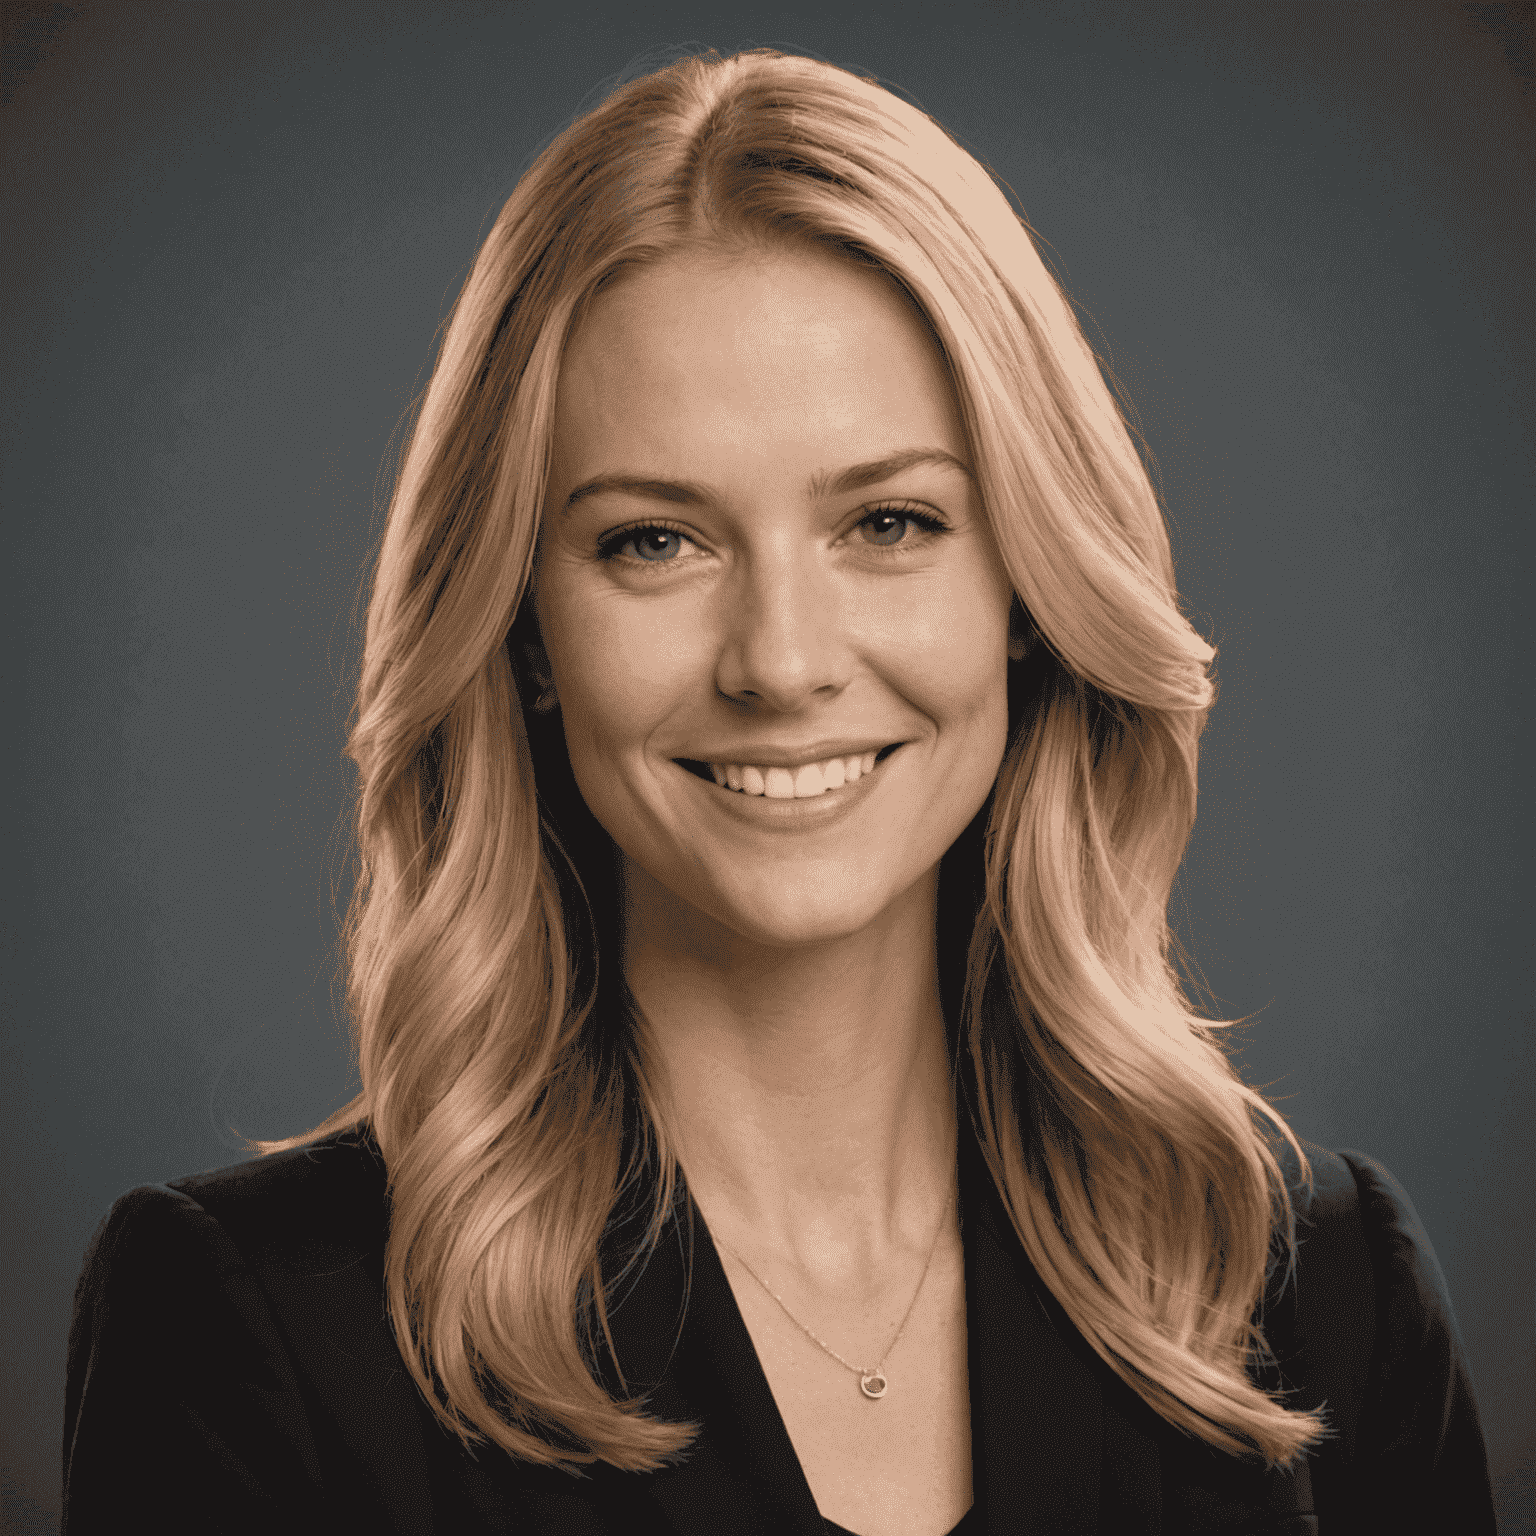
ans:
x=657 y=541
x=888 y=527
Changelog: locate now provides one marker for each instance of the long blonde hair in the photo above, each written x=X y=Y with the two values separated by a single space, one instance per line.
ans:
x=500 y=1076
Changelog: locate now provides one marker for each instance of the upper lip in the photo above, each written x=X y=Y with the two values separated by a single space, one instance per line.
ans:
x=781 y=756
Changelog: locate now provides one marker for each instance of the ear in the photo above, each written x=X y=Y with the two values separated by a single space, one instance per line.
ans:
x=536 y=660
x=525 y=645
x=1022 y=633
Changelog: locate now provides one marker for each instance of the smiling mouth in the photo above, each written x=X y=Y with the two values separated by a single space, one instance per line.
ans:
x=804 y=782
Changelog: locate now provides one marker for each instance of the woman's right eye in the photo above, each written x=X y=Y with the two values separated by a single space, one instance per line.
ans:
x=650 y=543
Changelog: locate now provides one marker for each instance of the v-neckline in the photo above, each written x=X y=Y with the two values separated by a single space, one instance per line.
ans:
x=1035 y=1452
x=964 y=1526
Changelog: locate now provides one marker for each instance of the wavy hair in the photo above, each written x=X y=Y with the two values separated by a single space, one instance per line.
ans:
x=502 y=1076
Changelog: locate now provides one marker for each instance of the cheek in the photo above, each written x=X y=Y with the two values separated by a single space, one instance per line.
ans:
x=973 y=709
x=604 y=710
x=620 y=670
x=955 y=661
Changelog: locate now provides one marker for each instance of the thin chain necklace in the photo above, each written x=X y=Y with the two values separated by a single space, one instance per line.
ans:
x=873 y=1381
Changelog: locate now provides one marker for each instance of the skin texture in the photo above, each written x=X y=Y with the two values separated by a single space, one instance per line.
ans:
x=783 y=952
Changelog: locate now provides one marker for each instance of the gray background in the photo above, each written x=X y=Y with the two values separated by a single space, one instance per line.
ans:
x=1300 y=232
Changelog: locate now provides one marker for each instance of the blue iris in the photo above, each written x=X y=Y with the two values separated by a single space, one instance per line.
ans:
x=657 y=544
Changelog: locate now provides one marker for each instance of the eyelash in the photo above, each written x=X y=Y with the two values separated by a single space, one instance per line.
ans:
x=609 y=547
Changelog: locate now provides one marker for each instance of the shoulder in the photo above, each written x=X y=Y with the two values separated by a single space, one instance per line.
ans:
x=301 y=1206
x=1361 y=1248
x=1408 y=1276
x=307 y=1201
x=1367 y=1333
x=203 y=1307
x=1362 y=1261
x=1417 y=1347
x=1357 y=1226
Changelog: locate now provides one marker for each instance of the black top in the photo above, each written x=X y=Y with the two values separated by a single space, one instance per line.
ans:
x=231 y=1369
x=965 y=1526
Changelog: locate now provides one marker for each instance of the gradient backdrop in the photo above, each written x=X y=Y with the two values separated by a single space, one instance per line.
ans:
x=1301 y=235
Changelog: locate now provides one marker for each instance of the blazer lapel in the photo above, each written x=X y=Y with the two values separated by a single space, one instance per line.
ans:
x=694 y=1359
x=1037 y=1423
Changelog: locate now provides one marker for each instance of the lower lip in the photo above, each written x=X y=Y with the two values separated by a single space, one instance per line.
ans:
x=814 y=811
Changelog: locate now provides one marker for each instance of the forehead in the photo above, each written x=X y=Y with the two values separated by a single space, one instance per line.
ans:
x=774 y=352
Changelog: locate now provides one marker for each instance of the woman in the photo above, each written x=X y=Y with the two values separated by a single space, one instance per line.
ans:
x=777 y=738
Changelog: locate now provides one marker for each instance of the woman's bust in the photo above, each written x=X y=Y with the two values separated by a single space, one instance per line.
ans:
x=777 y=740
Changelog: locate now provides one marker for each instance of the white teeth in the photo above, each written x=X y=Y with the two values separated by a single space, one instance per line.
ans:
x=802 y=783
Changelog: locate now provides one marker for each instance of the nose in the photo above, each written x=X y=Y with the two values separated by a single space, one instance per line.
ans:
x=785 y=634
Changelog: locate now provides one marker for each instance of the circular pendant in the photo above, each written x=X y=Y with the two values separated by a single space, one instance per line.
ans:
x=872 y=1385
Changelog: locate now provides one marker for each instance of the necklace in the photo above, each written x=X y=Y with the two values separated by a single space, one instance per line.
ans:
x=873 y=1381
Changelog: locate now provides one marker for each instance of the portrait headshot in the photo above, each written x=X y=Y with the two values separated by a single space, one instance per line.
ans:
x=768 y=774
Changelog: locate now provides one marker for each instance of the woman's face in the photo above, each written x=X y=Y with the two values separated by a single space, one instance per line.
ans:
x=763 y=560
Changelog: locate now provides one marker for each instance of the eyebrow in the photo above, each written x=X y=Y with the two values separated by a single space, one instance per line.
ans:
x=825 y=483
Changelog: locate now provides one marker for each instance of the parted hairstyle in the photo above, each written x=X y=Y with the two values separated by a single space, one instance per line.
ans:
x=503 y=1066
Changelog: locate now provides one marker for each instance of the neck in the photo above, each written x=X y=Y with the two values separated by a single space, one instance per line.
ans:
x=807 y=1090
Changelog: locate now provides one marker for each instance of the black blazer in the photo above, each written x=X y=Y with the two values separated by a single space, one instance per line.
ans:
x=231 y=1369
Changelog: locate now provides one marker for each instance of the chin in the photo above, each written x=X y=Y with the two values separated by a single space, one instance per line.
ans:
x=795 y=916
x=792 y=930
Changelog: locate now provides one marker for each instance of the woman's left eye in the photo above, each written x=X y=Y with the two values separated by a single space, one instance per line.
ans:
x=890 y=525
